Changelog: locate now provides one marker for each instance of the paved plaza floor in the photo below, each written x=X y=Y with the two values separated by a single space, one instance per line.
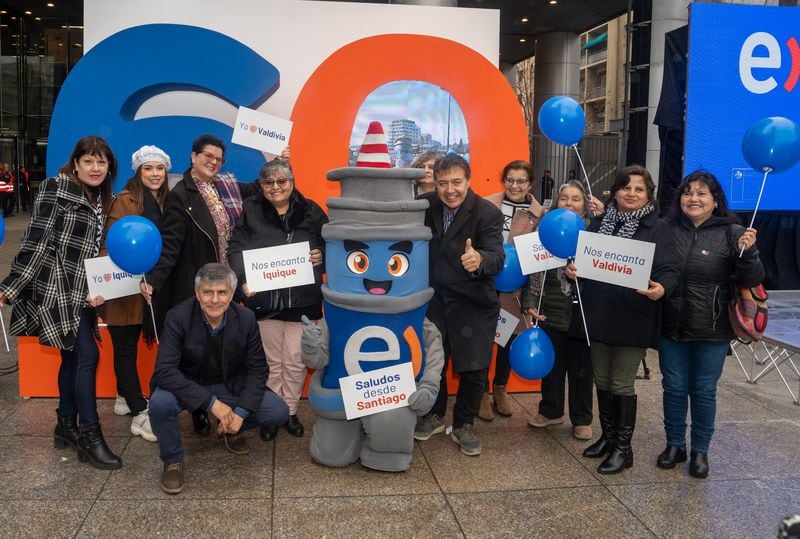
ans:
x=526 y=483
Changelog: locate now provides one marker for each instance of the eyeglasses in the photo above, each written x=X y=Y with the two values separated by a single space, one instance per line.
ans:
x=270 y=182
x=512 y=181
x=213 y=158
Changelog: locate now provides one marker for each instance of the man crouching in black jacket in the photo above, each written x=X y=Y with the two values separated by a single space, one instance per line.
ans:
x=210 y=358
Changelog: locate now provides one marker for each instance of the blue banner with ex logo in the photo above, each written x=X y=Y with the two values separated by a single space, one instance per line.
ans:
x=744 y=65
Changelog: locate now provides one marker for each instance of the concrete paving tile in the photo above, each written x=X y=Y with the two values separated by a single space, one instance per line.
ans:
x=771 y=396
x=710 y=508
x=37 y=417
x=509 y=447
x=42 y=518
x=296 y=473
x=211 y=472
x=560 y=512
x=365 y=516
x=31 y=469
x=7 y=407
x=178 y=517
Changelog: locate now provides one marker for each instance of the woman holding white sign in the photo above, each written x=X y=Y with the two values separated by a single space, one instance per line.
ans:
x=48 y=289
x=281 y=215
x=521 y=213
x=623 y=323
x=144 y=195
x=696 y=332
x=572 y=359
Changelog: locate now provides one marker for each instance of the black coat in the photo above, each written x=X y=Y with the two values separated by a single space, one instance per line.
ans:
x=183 y=353
x=620 y=316
x=261 y=226
x=189 y=240
x=698 y=309
x=465 y=305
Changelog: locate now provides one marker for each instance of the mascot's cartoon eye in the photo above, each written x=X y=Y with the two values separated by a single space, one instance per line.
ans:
x=357 y=262
x=398 y=264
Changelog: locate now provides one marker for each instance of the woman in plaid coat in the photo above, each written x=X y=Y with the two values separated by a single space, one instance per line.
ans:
x=48 y=290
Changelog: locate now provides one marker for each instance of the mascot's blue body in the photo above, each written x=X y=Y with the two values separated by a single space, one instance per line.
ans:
x=375 y=300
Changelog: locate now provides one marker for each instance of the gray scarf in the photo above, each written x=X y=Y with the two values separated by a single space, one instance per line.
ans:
x=629 y=220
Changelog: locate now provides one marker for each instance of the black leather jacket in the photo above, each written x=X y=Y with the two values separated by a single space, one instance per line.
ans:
x=709 y=265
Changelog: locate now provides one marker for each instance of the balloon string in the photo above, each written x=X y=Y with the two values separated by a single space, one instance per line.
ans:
x=541 y=295
x=5 y=336
x=583 y=316
x=583 y=169
x=152 y=313
x=524 y=314
x=758 y=203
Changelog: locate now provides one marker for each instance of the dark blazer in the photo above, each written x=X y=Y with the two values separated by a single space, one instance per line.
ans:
x=183 y=353
x=709 y=254
x=261 y=226
x=620 y=316
x=465 y=305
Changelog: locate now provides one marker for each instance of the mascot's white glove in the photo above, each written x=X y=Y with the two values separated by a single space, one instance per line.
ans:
x=421 y=401
x=314 y=343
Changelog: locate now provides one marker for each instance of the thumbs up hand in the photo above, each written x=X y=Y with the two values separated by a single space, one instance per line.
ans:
x=471 y=259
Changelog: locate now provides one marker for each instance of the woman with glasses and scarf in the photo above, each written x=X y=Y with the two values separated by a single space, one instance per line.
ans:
x=623 y=323
x=281 y=215
x=49 y=293
x=521 y=214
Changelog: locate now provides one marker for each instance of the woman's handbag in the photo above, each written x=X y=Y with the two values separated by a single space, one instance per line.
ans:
x=265 y=304
x=747 y=311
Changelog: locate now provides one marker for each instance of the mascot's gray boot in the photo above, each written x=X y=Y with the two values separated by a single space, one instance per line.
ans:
x=335 y=442
x=388 y=440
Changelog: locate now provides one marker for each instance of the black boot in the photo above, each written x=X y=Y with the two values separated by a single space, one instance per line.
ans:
x=93 y=448
x=671 y=456
x=606 y=415
x=201 y=424
x=621 y=455
x=294 y=427
x=698 y=465
x=66 y=432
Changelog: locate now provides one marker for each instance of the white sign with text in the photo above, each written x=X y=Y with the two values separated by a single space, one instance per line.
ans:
x=533 y=257
x=506 y=322
x=108 y=280
x=376 y=391
x=613 y=260
x=272 y=268
x=261 y=131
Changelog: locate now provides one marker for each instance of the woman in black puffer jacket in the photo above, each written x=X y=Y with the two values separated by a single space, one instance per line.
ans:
x=280 y=216
x=696 y=331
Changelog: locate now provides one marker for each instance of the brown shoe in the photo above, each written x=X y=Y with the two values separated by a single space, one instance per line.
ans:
x=172 y=478
x=236 y=444
x=485 y=412
x=502 y=401
x=582 y=432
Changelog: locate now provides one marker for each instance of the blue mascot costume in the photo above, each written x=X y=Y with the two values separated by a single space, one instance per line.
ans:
x=375 y=299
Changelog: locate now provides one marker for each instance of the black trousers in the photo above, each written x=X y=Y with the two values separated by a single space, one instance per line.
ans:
x=574 y=361
x=471 y=386
x=126 y=340
x=502 y=367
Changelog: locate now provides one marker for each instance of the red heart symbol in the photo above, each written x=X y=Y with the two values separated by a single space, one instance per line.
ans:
x=253 y=129
x=107 y=276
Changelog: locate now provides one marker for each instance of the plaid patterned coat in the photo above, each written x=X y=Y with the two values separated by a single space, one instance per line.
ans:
x=47 y=284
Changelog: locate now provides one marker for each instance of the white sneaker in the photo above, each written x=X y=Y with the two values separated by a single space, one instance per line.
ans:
x=140 y=426
x=121 y=406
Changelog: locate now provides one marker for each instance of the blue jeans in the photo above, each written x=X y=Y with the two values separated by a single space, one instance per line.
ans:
x=690 y=372
x=165 y=407
x=77 y=376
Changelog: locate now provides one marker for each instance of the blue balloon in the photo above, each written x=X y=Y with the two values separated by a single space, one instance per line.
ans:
x=2 y=230
x=532 y=354
x=558 y=232
x=134 y=244
x=562 y=120
x=772 y=144
x=510 y=277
